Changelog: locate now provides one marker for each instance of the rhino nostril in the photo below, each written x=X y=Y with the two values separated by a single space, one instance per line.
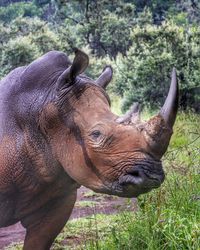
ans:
x=135 y=176
x=135 y=173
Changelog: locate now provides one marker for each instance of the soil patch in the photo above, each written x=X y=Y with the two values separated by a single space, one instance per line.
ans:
x=87 y=203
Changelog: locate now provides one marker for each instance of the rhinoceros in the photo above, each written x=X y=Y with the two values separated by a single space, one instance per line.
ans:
x=57 y=133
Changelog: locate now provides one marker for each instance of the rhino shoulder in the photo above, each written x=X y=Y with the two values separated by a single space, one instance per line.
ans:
x=45 y=70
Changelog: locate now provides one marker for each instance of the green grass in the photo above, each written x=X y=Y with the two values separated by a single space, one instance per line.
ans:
x=115 y=104
x=86 y=203
x=17 y=246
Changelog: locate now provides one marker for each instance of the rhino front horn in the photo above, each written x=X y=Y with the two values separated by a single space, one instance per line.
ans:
x=170 y=107
x=158 y=129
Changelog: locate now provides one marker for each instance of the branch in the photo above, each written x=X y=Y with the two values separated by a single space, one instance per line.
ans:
x=74 y=20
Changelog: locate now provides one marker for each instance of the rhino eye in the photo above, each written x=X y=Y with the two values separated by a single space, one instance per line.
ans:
x=96 y=134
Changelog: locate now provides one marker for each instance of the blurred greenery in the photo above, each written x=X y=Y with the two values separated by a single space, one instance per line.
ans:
x=144 y=74
x=142 y=40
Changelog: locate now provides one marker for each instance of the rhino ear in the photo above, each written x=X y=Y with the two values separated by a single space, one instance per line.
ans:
x=80 y=63
x=105 y=77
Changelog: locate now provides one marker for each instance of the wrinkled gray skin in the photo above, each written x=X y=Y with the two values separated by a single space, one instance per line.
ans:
x=57 y=132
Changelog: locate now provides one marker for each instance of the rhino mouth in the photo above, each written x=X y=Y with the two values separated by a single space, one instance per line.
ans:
x=138 y=180
x=142 y=178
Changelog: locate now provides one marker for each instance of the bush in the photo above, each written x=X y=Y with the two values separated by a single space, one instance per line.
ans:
x=12 y=11
x=144 y=75
x=34 y=38
x=17 y=53
x=46 y=40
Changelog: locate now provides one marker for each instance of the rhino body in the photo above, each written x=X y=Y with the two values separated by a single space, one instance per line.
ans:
x=57 y=133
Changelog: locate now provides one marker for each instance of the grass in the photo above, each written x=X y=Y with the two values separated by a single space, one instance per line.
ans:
x=97 y=196
x=86 y=203
x=85 y=229
x=17 y=246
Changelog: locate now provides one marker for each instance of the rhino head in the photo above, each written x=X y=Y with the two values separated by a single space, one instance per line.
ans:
x=98 y=149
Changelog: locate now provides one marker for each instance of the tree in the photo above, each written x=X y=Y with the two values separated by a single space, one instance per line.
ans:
x=24 y=40
x=16 y=53
x=20 y=9
x=103 y=25
x=144 y=75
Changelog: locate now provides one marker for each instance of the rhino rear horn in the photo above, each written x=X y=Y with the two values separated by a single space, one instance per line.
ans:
x=131 y=116
x=105 y=77
x=79 y=65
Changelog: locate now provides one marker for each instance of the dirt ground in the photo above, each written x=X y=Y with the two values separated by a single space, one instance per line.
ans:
x=87 y=203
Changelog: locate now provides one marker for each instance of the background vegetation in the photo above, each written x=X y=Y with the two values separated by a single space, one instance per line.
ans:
x=142 y=40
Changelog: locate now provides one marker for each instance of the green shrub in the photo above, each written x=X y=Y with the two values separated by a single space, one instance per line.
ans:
x=17 y=53
x=46 y=40
x=144 y=74
x=12 y=11
x=24 y=40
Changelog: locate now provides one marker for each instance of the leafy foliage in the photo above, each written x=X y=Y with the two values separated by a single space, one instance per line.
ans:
x=144 y=74
x=25 y=39
x=15 y=10
x=18 y=52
